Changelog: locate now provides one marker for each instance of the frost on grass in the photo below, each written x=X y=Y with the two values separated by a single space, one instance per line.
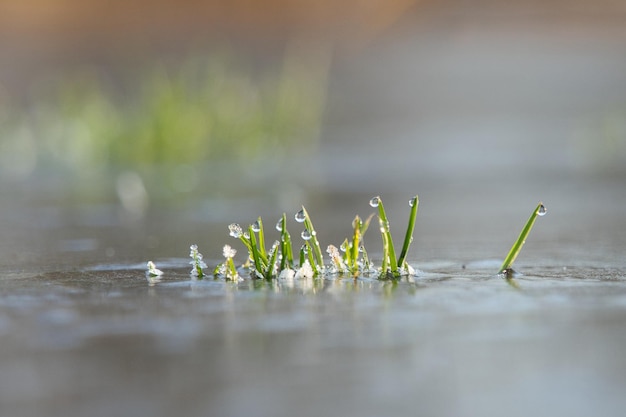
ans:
x=196 y=262
x=153 y=271
x=305 y=271
x=227 y=269
x=337 y=261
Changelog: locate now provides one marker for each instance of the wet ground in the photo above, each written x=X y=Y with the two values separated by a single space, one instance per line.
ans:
x=83 y=332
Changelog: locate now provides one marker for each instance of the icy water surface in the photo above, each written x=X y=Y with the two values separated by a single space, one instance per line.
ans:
x=103 y=341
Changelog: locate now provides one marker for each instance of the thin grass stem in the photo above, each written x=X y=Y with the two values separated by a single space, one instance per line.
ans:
x=303 y=253
x=285 y=245
x=269 y=271
x=540 y=210
x=317 y=250
x=258 y=266
x=261 y=241
x=408 y=237
x=389 y=250
x=314 y=266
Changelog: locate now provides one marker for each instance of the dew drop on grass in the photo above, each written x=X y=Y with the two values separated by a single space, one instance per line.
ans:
x=306 y=235
x=541 y=211
x=343 y=247
x=374 y=202
x=279 y=225
x=300 y=216
x=412 y=201
x=256 y=227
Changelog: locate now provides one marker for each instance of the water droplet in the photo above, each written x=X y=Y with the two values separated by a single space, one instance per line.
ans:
x=304 y=249
x=413 y=201
x=300 y=217
x=256 y=227
x=361 y=248
x=374 y=202
x=343 y=247
x=306 y=235
x=542 y=210
x=279 y=225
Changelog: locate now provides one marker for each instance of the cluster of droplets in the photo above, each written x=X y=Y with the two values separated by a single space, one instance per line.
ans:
x=229 y=252
x=338 y=264
x=235 y=230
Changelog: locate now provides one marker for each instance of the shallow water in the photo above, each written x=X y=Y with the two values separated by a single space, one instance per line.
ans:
x=104 y=341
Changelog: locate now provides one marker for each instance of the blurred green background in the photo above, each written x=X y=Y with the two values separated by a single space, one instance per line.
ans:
x=211 y=111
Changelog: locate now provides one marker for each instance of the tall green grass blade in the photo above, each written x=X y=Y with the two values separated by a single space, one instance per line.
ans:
x=540 y=210
x=259 y=226
x=317 y=250
x=303 y=253
x=347 y=254
x=314 y=266
x=408 y=237
x=353 y=250
x=286 y=250
x=388 y=249
x=258 y=265
x=269 y=271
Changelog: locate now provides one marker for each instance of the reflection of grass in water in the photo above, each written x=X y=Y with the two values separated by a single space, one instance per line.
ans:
x=203 y=110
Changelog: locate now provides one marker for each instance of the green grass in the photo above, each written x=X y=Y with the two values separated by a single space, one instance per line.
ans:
x=279 y=262
x=164 y=121
x=506 y=267
x=354 y=261
x=392 y=266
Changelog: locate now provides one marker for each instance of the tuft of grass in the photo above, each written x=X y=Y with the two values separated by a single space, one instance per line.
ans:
x=309 y=234
x=506 y=269
x=354 y=259
x=279 y=261
x=392 y=266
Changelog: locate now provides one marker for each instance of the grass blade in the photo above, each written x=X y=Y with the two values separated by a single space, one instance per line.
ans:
x=317 y=250
x=388 y=249
x=258 y=226
x=256 y=256
x=540 y=210
x=414 y=202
